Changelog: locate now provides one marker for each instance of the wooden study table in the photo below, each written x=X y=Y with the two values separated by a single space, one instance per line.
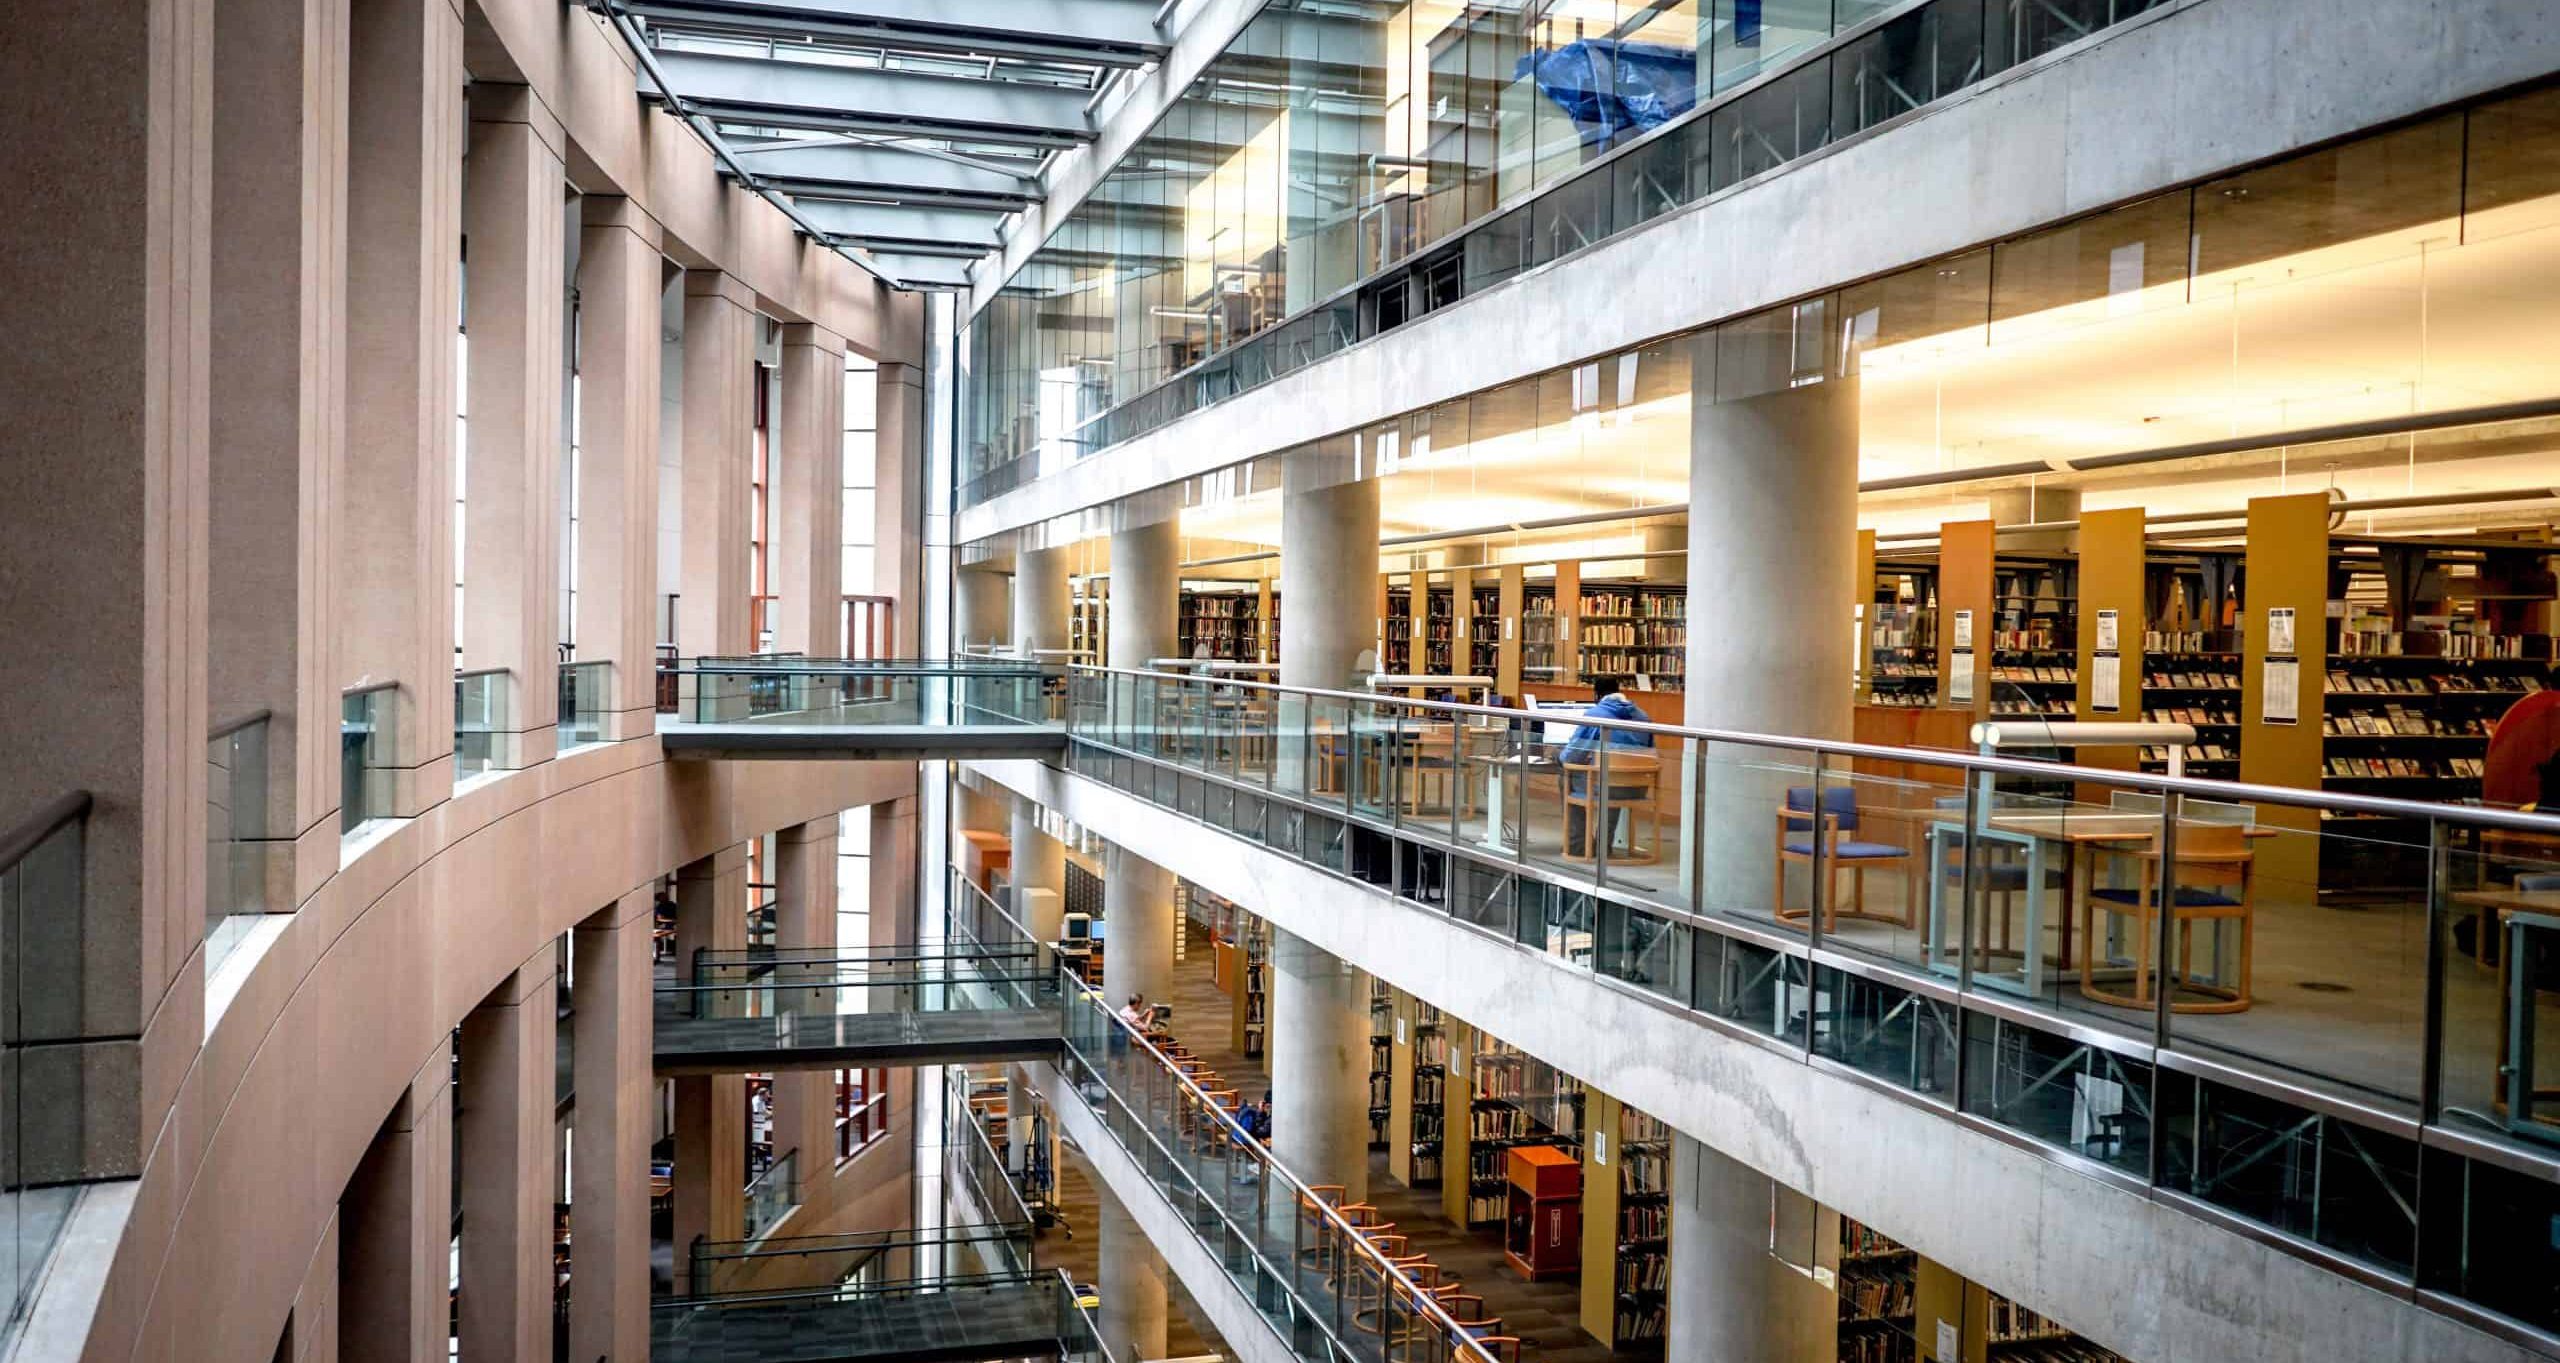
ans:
x=2065 y=831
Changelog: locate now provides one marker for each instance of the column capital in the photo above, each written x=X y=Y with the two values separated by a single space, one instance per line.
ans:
x=812 y=336
x=719 y=284
x=491 y=102
x=606 y=213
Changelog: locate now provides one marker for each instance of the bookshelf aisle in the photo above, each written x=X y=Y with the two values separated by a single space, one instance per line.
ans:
x=1226 y=622
x=2186 y=682
x=2034 y=637
x=1644 y=1230
x=1514 y=1101
x=1878 y=1303
x=1381 y=1059
x=1902 y=636
x=1636 y=632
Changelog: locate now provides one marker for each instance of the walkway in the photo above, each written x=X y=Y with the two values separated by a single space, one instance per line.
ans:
x=962 y=1322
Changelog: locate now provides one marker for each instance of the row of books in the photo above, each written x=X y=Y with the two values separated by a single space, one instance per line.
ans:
x=2057 y=705
x=2190 y=679
x=2202 y=716
x=1646 y=1220
x=1643 y=1270
x=2156 y=641
x=2341 y=682
x=1607 y=635
x=2039 y=637
x=2446 y=768
x=2195 y=752
x=2440 y=643
x=2014 y=672
x=1876 y=1295
x=2398 y=721
x=1652 y=605
x=1499 y=1123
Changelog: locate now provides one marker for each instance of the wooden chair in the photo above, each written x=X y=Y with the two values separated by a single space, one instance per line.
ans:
x=1315 y=1240
x=1503 y=1348
x=1332 y=764
x=2211 y=883
x=1635 y=787
x=1834 y=826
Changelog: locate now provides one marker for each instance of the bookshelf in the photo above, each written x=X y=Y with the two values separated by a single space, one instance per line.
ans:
x=1226 y=621
x=1484 y=630
x=1381 y=1059
x=1879 y=1285
x=1637 y=631
x=1437 y=630
x=2034 y=635
x=1514 y=1101
x=1088 y=620
x=1538 y=659
x=1902 y=634
x=1252 y=1017
x=1417 y=1097
x=1395 y=632
x=2012 y=1332
x=1627 y=1220
x=2191 y=657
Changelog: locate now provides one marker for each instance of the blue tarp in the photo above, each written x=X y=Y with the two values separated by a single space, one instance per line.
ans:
x=1612 y=89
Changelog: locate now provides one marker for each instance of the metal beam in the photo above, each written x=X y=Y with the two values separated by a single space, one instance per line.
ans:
x=863 y=170
x=1119 y=33
x=923 y=272
x=793 y=94
x=891 y=225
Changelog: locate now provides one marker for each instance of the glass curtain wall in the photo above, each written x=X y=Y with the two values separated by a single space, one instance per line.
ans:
x=2408 y=274
x=1338 y=139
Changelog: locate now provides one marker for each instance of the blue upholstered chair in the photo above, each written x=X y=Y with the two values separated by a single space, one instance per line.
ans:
x=2211 y=882
x=1836 y=828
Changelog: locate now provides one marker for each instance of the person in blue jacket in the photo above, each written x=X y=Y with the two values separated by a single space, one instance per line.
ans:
x=1583 y=750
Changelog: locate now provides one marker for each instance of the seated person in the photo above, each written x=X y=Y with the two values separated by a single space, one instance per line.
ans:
x=1583 y=750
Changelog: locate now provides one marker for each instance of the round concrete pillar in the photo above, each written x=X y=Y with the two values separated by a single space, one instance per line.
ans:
x=1773 y=531
x=1732 y=1297
x=1038 y=874
x=1319 y=1050
x=980 y=614
x=1146 y=595
x=1041 y=602
x=1132 y=1318
x=1328 y=577
x=1137 y=907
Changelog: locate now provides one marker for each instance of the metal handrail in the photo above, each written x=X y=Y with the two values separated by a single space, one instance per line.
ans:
x=43 y=824
x=777 y=1246
x=368 y=688
x=1235 y=1132
x=2480 y=816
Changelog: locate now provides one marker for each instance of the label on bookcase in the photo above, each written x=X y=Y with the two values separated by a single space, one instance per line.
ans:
x=1950 y=1342
x=2107 y=633
x=1964 y=629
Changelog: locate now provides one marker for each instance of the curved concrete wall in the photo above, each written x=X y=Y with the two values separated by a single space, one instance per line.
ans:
x=368 y=979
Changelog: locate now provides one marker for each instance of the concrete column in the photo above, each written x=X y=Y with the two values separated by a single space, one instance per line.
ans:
x=804 y=918
x=1328 y=597
x=896 y=873
x=1041 y=600
x=808 y=565
x=621 y=289
x=609 y=1187
x=1328 y=576
x=1731 y=1297
x=1137 y=902
x=508 y=1092
x=1319 y=1048
x=713 y=615
x=1773 y=529
x=394 y=552
x=1039 y=874
x=1146 y=595
x=981 y=614
x=711 y=1110
x=512 y=222
x=1132 y=1319
x=897 y=502
x=395 y=1228
x=279 y=425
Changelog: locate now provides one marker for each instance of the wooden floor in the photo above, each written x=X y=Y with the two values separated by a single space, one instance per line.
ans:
x=1546 y=1316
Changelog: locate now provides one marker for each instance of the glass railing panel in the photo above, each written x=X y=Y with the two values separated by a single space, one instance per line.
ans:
x=2497 y=916
x=1889 y=869
x=2487 y=1233
x=873 y=1259
x=1757 y=834
x=2340 y=1184
x=1647 y=950
x=248 y=860
x=483 y=738
x=773 y=1194
x=1904 y=1036
x=586 y=694
x=853 y=693
x=42 y=900
x=2074 y=1092
x=368 y=746
x=1751 y=984
x=1290 y=1254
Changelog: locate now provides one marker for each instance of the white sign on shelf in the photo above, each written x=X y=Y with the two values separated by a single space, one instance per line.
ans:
x=2280 y=630
x=1950 y=1342
x=1964 y=629
x=1960 y=677
x=2280 y=698
x=2106 y=682
x=2107 y=631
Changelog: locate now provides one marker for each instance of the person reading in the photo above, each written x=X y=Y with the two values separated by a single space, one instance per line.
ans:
x=1582 y=751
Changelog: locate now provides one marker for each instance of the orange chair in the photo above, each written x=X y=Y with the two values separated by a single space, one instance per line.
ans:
x=1635 y=789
